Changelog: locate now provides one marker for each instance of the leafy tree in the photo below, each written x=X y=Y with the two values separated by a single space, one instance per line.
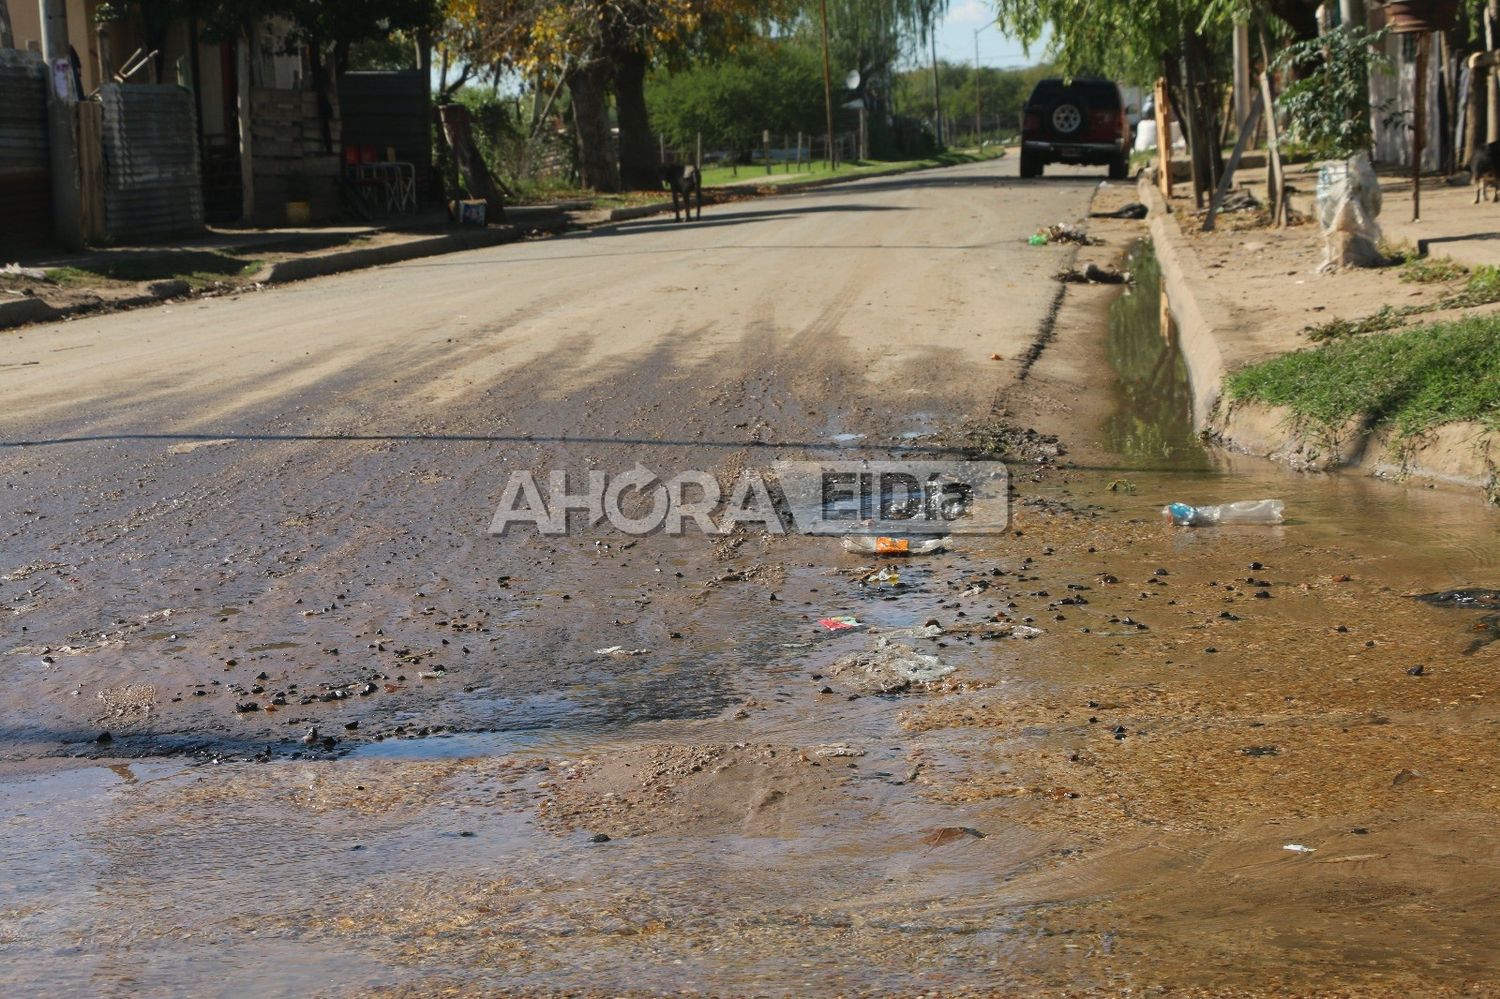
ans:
x=777 y=87
x=1002 y=92
x=1328 y=105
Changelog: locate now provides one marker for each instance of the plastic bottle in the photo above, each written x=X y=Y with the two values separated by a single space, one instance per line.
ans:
x=1266 y=511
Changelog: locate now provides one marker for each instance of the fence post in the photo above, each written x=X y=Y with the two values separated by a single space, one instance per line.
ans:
x=698 y=160
x=765 y=147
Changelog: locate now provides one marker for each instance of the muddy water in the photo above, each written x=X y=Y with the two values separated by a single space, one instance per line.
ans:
x=1106 y=805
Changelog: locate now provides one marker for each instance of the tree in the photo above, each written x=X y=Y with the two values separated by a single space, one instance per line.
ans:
x=730 y=101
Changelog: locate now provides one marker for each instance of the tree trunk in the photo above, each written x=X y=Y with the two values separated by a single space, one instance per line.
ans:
x=596 y=155
x=458 y=131
x=638 y=153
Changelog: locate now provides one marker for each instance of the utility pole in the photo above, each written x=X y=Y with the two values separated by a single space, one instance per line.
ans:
x=827 y=86
x=62 y=139
x=937 y=87
x=1241 y=75
x=977 y=118
x=1492 y=15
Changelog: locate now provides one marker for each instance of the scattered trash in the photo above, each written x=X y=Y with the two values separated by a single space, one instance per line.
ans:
x=1471 y=597
x=1024 y=631
x=838 y=751
x=1093 y=274
x=620 y=652
x=16 y=270
x=1239 y=201
x=838 y=623
x=1348 y=202
x=869 y=545
x=1299 y=848
x=950 y=834
x=888 y=575
x=887 y=668
x=996 y=357
x=1134 y=210
x=1244 y=512
x=1062 y=232
x=1120 y=486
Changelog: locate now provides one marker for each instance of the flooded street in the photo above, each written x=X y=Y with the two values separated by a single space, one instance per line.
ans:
x=281 y=717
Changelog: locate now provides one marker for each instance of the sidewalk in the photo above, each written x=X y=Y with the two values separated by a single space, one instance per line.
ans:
x=1246 y=293
x=230 y=259
x=1451 y=224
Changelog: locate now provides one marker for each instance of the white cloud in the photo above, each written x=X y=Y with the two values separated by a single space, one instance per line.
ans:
x=971 y=12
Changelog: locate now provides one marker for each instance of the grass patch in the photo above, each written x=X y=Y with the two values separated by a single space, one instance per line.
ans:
x=1430 y=270
x=750 y=177
x=1411 y=381
x=196 y=267
x=1481 y=288
x=723 y=176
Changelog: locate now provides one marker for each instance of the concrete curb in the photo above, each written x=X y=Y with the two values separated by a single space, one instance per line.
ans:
x=755 y=189
x=1461 y=455
x=639 y=211
x=27 y=310
x=323 y=264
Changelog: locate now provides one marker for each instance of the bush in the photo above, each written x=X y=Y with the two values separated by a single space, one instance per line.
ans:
x=778 y=87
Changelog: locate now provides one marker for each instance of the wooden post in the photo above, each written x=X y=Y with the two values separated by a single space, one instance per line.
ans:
x=1275 y=179
x=765 y=147
x=827 y=84
x=1471 y=112
x=91 y=169
x=1164 y=316
x=1247 y=129
x=698 y=159
x=243 y=88
x=1163 y=138
x=1419 y=135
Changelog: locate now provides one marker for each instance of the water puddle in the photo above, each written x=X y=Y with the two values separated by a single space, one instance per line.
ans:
x=1152 y=422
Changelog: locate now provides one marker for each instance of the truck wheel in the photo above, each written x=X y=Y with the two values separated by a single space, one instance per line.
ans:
x=1031 y=164
x=1119 y=167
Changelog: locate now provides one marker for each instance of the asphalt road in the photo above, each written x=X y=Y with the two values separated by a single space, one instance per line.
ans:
x=297 y=482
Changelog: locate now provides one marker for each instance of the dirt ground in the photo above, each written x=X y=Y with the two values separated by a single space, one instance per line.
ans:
x=1136 y=758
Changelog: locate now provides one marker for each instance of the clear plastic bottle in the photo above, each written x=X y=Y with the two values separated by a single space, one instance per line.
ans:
x=1266 y=511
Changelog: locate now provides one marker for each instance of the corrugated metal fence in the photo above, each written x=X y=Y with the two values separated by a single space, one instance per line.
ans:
x=391 y=111
x=25 y=177
x=152 y=186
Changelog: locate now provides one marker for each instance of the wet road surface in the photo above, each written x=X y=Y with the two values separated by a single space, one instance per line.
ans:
x=286 y=496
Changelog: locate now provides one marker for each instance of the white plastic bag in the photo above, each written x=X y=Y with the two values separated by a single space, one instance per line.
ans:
x=1348 y=204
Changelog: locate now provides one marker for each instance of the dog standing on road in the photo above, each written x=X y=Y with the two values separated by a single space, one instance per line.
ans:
x=1484 y=171
x=685 y=182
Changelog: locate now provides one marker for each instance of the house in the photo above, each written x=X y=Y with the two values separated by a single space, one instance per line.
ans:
x=194 y=129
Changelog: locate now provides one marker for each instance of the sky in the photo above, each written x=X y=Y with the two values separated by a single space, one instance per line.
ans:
x=955 y=39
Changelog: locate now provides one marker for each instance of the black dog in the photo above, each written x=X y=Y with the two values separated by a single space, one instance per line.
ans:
x=1484 y=170
x=685 y=182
